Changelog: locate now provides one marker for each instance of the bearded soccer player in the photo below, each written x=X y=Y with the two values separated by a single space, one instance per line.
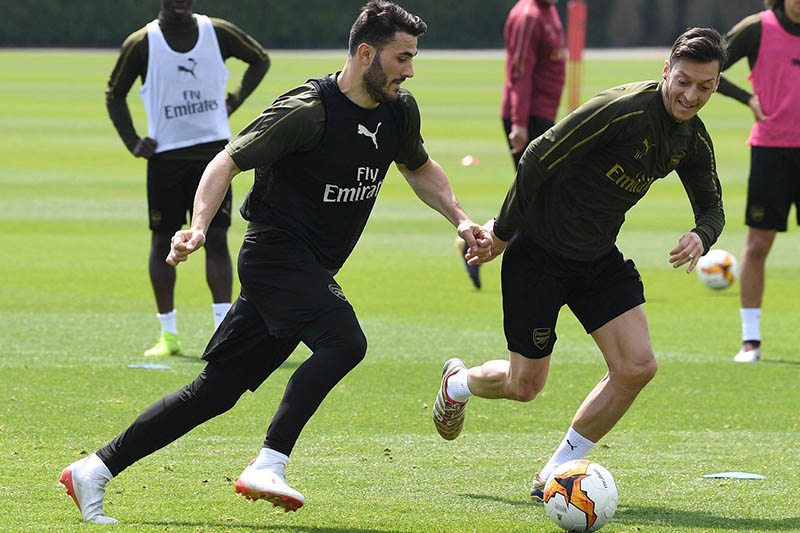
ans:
x=180 y=58
x=320 y=154
x=771 y=41
x=560 y=221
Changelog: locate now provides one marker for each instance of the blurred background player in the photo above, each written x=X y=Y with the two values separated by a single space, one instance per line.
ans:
x=771 y=42
x=561 y=218
x=535 y=74
x=320 y=153
x=180 y=59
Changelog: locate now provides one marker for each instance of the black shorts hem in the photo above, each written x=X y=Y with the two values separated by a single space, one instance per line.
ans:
x=591 y=327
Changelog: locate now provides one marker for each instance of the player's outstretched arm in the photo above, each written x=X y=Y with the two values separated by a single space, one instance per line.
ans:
x=213 y=185
x=431 y=186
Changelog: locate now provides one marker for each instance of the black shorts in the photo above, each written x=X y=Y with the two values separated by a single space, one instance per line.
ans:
x=537 y=283
x=281 y=277
x=171 y=185
x=284 y=295
x=536 y=126
x=773 y=187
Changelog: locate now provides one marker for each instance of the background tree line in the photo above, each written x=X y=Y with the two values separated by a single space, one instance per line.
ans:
x=324 y=24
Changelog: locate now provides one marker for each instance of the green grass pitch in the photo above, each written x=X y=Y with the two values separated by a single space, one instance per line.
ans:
x=76 y=309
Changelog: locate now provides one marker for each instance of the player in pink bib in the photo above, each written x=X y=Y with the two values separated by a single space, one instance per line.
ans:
x=771 y=41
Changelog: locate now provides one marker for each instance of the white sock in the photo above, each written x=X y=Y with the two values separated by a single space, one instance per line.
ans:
x=457 y=387
x=751 y=323
x=96 y=468
x=220 y=310
x=168 y=322
x=271 y=460
x=574 y=446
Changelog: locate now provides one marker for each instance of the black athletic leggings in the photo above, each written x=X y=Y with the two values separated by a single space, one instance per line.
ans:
x=338 y=345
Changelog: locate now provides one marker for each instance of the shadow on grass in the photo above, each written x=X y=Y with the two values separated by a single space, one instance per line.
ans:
x=196 y=359
x=663 y=516
x=779 y=362
x=498 y=499
x=268 y=527
x=185 y=358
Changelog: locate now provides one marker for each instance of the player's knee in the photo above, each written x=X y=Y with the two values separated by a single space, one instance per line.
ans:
x=340 y=335
x=212 y=395
x=757 y=244
x=756 y=250
x=523 y=395
x=353 y=347
x=524 y=391
x=636 y=374
x=160 y=241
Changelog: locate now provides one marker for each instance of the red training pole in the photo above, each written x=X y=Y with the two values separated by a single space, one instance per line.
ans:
x=576 y=41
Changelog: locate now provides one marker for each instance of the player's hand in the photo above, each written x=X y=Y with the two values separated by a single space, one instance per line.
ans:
x=145 y=148
x=183 y=243
x=230 y=104
x=755 y=105
x=479 y=241
x=518 y=138
x=689 y=250
x=497 y=247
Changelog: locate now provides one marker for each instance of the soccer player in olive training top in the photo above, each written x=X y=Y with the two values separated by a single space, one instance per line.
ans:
x=561 y=218
x=180 y=58
x=320 y=153
x=771 y=42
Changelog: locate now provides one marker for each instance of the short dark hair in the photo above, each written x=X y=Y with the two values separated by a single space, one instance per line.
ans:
x=379 y=21
x=774 y=4
x=699 y=44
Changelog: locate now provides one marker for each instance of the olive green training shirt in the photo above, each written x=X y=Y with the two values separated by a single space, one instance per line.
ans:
x=181 y=37
x=575 y=182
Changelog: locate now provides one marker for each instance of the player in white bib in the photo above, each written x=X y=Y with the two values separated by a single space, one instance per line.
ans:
x=180 y=58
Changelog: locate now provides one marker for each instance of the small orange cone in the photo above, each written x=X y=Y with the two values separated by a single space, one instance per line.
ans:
x=469 y=161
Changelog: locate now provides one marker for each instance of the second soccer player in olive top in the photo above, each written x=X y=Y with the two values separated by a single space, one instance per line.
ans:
x=561 y=218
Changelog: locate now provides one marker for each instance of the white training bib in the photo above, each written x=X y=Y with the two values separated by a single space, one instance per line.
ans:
x=184 y=93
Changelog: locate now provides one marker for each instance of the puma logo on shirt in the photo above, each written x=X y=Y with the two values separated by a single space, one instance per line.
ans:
x=362 y=130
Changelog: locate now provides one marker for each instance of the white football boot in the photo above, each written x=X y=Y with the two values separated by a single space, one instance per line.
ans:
x=537 y=488
x=448 y=414
x=748 y=356
x=87 y=492
x=257 y=483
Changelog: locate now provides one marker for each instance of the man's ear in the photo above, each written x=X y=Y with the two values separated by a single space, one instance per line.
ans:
x=365 y=54
x=665 y=70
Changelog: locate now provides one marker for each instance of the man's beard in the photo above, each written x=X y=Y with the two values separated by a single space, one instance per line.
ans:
x=374 y=80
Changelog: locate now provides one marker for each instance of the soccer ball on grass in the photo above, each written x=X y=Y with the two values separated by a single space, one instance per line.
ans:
x=580 y=496
x=718 y=269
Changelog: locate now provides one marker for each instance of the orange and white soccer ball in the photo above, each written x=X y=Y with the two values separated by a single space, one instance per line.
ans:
x=580 y=496
x=718 y=269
